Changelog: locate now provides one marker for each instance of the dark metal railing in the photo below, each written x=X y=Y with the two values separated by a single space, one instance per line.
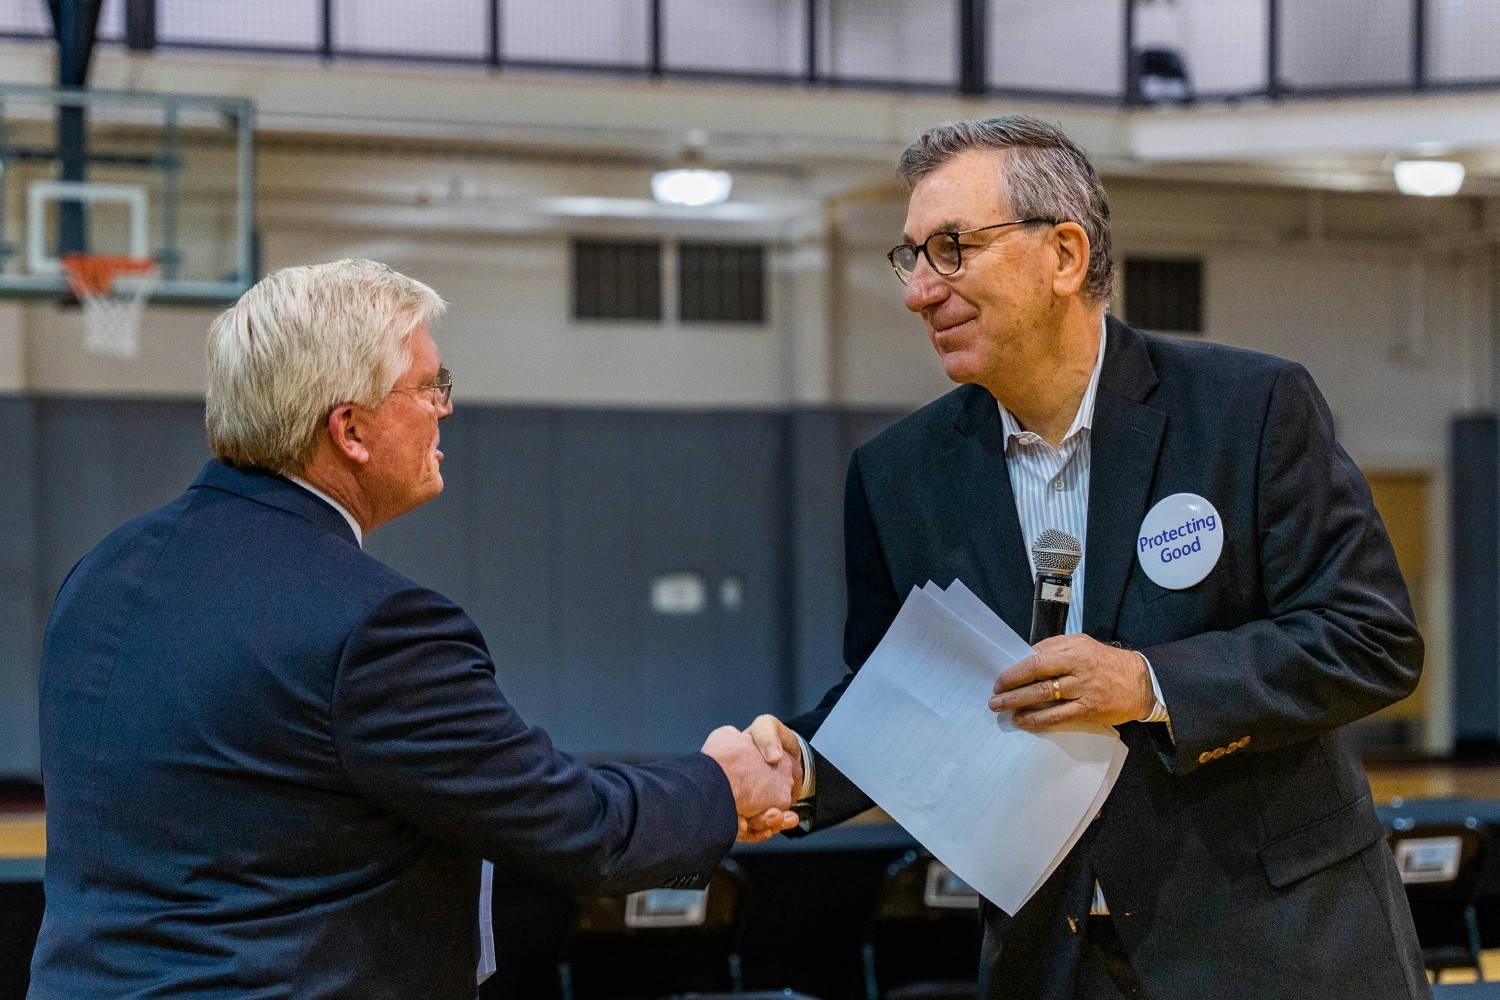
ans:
x=1309 y=49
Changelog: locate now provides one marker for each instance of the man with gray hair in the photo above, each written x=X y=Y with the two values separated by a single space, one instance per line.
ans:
x=273 y=764
x=1236 y=603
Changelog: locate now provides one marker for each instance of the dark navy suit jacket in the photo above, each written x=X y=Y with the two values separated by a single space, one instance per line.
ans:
x=273 y=765
x=1243 y=859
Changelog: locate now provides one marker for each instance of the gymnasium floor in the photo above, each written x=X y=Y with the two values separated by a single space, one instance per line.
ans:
x=22 y=835
x=1433 y=780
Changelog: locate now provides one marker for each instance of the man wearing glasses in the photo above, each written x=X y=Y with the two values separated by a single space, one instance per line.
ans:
x=273 y=765
x=1239 y=856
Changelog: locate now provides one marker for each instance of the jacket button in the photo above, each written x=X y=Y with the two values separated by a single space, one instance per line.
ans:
x=1205 y=757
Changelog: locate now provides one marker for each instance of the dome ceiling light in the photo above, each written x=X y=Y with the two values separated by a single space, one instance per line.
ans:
x=693 y=181
x=1429 y=178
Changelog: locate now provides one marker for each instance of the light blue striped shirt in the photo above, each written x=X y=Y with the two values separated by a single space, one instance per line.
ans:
x=1051 y=487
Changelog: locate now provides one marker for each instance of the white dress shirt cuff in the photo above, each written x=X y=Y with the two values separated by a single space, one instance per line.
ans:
x=1158 y=710
x=809 y=786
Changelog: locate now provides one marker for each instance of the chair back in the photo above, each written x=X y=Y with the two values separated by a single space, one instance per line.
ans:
x=918 y=886
x=658 y=941
x=924 y=932
x=1440 y=865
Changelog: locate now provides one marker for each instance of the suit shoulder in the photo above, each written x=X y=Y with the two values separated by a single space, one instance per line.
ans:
x=349 y=567
x=248 y=539
x=1217 y=368
x=347 y=585
x=148 y=531
x=1205 y=359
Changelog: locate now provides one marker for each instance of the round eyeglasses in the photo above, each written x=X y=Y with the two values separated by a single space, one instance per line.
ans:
x=943 y=250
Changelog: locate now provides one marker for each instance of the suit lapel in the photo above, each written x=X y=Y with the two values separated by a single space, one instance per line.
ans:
x=1126 y=439
x=980 y=487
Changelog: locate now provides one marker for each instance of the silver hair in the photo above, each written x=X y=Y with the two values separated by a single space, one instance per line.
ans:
x=302 y=341
x=1044 y=174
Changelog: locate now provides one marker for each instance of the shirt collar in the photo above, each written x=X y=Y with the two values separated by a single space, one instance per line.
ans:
x=359 y=536
x=1083 y=419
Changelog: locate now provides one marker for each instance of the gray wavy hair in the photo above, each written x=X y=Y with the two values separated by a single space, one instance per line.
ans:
x=1044 y=173
x=302 y=341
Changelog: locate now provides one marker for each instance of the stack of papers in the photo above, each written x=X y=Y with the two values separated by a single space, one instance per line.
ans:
x=998 y=805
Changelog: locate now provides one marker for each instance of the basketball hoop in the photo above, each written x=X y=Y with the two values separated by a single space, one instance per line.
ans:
x=111 y=308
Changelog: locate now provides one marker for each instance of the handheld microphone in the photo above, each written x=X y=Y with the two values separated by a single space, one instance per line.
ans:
x=1056 y=555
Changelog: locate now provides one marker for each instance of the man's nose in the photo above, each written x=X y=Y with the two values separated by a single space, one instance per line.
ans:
x=925 y=287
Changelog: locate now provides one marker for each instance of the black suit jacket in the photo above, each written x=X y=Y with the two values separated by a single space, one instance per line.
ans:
x=273 y=765
x=1242 y=859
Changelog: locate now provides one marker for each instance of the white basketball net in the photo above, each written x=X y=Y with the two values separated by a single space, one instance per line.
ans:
x=113 y=293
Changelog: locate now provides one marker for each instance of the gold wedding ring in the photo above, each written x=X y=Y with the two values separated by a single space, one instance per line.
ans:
x=1056 y=690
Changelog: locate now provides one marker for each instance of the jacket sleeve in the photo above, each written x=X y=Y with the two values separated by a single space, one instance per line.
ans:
x=1338 y=640
x=422 y=728
x=873 y=605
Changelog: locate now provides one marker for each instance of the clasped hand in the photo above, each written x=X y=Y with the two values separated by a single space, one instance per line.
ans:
x=1074 y=679
x=763 y=775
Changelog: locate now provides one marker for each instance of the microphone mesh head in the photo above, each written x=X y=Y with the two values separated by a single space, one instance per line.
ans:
x=1056 y=551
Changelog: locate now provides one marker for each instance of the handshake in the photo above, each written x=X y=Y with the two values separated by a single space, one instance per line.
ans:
x=764 y=768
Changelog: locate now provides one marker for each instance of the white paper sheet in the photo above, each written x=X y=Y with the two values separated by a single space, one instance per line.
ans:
x=1078 y=741
x=998 y=805
x=485 y=967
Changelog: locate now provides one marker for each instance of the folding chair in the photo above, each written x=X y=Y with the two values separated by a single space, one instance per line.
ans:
x=1440 y=864
x=658 y=942
x=923 y=937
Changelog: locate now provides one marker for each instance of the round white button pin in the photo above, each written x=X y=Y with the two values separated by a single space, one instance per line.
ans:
x=1180 y=541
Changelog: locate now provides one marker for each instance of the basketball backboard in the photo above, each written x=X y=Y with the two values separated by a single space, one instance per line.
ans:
x=166 y=176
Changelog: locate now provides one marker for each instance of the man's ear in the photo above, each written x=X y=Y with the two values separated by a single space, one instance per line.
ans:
x=1072 y=245
x=345 y=427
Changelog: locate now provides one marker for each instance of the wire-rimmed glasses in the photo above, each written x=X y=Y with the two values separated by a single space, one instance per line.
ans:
x=440 y=389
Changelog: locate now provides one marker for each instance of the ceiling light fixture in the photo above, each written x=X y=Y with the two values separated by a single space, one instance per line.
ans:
x=1429 y=178
x=693 y=186
x=692 y=181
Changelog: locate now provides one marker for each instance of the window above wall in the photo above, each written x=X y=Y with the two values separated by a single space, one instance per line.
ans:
x=721 y=282
x=627 y=280
x=1164 y=295
x=617 y=279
